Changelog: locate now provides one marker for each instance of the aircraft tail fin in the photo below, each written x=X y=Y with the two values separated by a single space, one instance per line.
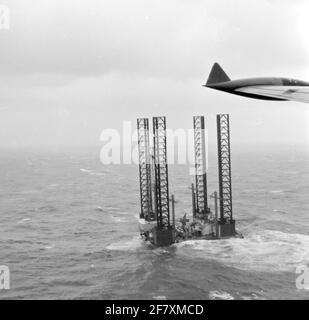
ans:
x=217 y=75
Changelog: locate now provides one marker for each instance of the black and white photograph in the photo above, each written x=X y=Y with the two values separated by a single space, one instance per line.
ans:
x=154 y=151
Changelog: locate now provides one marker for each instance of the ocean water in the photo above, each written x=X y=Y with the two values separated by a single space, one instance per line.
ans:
x=68 y=230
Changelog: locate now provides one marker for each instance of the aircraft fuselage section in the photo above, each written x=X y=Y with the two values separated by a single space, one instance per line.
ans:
x=232 y=85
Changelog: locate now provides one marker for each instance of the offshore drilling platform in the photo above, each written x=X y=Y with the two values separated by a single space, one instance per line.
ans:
x=157 y=221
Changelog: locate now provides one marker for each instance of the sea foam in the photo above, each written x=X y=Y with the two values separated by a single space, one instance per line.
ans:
x=267 y=250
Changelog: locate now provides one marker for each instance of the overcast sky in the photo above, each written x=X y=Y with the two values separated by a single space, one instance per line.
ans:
x=72 y=68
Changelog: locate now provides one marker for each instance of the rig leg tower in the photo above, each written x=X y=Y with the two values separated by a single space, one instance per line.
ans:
x=155 y=222
x=163 y=234
x=201 y=208
x=145 y=170
x=226 y=224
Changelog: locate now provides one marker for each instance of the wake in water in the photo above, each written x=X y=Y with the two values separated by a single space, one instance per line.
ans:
x=267 y=250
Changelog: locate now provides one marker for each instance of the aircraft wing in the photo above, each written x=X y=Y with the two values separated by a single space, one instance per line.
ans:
x=293 y=93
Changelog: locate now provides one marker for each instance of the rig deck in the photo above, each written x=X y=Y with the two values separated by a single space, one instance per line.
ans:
x=186 y=229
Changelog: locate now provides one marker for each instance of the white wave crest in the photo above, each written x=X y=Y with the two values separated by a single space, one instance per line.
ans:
x=24 y=220
x=159 y=298
x=127 y=245
x=118 y=219
x=276 y=191
x=220 y=295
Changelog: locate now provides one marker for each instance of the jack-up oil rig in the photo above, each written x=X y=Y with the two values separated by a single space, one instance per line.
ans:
x=156 y=224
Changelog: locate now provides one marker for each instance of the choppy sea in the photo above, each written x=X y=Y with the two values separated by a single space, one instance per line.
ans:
x=68 y=230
